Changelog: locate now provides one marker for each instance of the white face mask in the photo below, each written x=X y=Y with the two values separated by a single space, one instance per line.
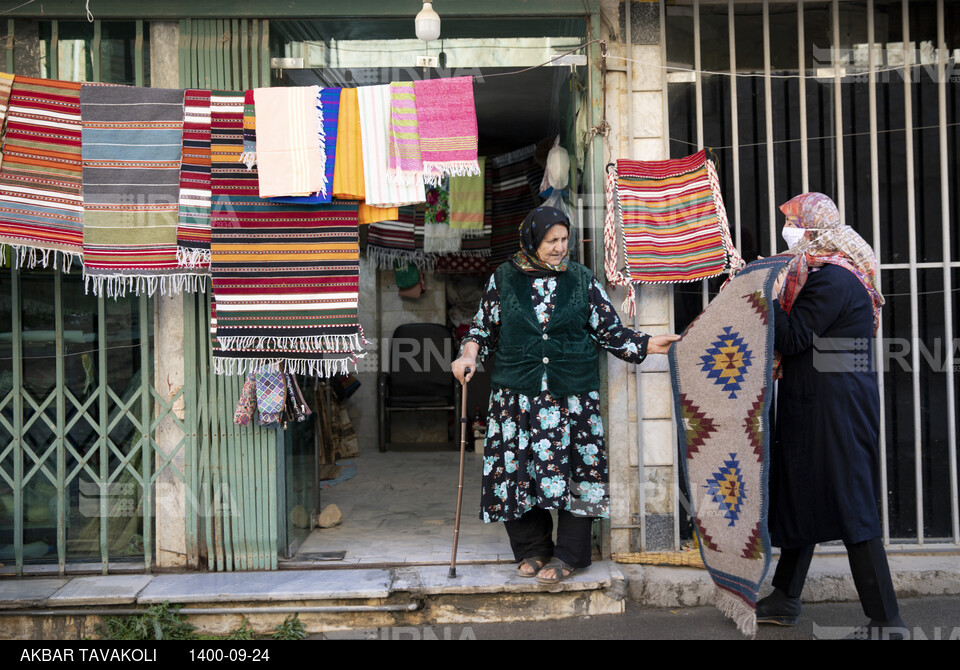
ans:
x=792 y=236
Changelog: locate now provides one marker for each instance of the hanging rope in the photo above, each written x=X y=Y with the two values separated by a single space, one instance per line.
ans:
x=615 y=276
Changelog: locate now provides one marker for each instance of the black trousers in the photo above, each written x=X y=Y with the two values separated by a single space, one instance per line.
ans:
x=871 y=575
x=532 y=535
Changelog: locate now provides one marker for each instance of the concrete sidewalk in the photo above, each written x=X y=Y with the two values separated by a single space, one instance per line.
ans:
x=341 y=599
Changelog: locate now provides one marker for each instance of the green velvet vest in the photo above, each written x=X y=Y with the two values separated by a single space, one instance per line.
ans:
x=564 y=350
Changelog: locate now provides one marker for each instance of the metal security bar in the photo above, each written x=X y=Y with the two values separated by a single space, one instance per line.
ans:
x=781 y=154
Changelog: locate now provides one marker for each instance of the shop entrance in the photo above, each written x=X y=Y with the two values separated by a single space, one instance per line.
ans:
x=398 y=506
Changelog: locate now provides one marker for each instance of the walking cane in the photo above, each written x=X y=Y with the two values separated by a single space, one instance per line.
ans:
x=463 y=448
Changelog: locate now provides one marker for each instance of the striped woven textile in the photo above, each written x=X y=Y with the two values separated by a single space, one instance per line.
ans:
x=132 y=145
x=6 y=83
x=249 y=157
x=291 y=160
x=447 y=122
x=722 y=374
x=193 y=214
x=41 y=207
x=390 y=241
x=379 y=189
x=404 y=161
x=516 y=178
x=285 y=277
x=467 y=201
x=329 y=101
x=673 y=219
x=348 y=180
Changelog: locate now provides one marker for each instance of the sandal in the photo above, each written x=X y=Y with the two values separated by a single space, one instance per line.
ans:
x=536 y=563
x=561 y=572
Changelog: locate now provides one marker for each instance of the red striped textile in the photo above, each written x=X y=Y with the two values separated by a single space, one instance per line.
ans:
x=673 y=219
x=193 y=224
x=41 y=207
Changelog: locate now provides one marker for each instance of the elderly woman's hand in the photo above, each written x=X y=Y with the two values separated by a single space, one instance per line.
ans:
x=660 y=344
x=468 y=361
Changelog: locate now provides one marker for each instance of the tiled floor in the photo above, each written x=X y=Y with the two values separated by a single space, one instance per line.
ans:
x=400 y=508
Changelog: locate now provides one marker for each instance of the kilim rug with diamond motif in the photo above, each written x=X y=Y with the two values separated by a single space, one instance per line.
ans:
x=722 y=377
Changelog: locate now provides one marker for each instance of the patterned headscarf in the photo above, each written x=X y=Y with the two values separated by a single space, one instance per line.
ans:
x=532 y=231
x=827 y=241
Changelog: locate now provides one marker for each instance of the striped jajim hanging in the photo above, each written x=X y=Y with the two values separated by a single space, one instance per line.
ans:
x=41 y=206
x=193 y=226
x=132 y=147
x=674 y=223
x=285 y=277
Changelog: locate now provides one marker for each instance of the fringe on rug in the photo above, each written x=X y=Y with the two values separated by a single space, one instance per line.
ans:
x=117 y=286
x=734 y=608
x=30 y=257
x=435 y=171
x=322 y=367
x=384 y=258
x=472 y=232
x=248 y=158
x=321 y=141
x=319 y=343
x=193 y=258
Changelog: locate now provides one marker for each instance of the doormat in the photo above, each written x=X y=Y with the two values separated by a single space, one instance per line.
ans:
x=322 y=556
x=722 y=373
x=349 y=471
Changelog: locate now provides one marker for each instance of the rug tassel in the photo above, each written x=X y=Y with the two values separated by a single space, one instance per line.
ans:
x=734 y=608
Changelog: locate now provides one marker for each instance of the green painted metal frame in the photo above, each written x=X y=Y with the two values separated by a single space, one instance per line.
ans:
x=234 y=469
x=304 y=9
x=28 y=462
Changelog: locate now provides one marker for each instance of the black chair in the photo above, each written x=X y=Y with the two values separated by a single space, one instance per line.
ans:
x=418 y=376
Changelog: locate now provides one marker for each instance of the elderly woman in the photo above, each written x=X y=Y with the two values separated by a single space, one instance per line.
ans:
x=824 y=472
x=545 y=316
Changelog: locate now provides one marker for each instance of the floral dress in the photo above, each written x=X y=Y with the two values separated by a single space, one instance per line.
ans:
x=544 y=451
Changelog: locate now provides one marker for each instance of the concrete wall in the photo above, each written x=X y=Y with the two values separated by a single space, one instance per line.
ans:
x=639 y=428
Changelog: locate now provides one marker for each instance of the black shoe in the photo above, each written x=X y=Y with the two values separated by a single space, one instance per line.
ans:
x=893 y=629
x=778 y=608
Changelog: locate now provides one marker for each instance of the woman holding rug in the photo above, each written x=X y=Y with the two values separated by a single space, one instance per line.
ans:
x=544 y=316
x=824 y=467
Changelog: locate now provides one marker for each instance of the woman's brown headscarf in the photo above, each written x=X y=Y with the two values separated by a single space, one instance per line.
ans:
x=827 y=241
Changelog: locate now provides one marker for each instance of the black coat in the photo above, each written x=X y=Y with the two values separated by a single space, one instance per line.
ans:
x=824 y=479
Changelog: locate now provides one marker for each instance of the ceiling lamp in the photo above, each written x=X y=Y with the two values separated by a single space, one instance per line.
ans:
x=428 y=23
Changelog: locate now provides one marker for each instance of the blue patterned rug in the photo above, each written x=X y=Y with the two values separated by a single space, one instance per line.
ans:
x=722 y=385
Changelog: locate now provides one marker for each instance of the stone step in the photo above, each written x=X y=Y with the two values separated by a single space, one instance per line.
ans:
x=326 y=600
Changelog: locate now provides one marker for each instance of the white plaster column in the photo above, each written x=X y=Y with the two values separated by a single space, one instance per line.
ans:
x=170 y=493
x=635 y=112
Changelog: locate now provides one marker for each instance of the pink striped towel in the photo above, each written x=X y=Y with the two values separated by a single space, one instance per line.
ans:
x=447 y=123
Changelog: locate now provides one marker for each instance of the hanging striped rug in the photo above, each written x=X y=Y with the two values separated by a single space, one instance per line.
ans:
x=722 y=385
x=285 y=277
x=41 y=207
x=132 y=145
x=193 y=224
x=6 y=83
x=673 y=219
x=516 y=178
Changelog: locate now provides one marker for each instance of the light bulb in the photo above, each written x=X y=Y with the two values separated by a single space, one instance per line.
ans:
x=428 y=23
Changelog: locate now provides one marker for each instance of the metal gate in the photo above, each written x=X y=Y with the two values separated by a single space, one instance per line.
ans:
x=857 y=99
x=80 y=408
